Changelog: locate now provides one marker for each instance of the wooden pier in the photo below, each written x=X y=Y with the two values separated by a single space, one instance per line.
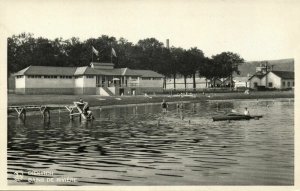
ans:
x=74 y=110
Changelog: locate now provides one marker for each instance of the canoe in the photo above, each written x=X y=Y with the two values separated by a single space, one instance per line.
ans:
x=230 y=117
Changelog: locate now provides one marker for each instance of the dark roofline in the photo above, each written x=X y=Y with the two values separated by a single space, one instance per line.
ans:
x=259 y=76
x=274 y=72
x=86 y=70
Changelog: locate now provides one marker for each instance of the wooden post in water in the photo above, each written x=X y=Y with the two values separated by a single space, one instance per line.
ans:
x=45 y=112
x=21 y=112
x=48 y=113
x=70 y=109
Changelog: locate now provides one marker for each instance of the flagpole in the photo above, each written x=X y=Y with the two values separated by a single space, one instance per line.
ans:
x=111 y=53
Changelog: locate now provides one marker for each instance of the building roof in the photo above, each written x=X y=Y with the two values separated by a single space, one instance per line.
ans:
x=148 y=73
x=102 y=64
x=85 y=70
x=80 y=70
x=284 y=74
x=259 y=75
x=21 y=72
x=47 y=70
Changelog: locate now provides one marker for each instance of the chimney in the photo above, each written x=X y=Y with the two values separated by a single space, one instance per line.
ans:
x=167 y=44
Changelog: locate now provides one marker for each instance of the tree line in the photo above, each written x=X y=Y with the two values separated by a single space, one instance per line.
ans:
x=24 y=50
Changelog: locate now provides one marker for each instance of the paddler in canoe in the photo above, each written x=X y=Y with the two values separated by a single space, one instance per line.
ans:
x=246 y=112
x=235 y=116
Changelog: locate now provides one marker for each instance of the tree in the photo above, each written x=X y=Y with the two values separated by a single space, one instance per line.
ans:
x=195 y=58
x=182 y=62
x=149 y=52
x=176 y=62
x=227 y=63
x=208 y=70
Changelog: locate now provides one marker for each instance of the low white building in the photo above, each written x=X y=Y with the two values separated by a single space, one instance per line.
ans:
x=100 y=78
x=255 y=80
x=272 y=79
x=279 y=80
x=241 y=82
x=180 y=85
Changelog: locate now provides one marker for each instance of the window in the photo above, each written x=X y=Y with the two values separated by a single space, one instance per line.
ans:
x=283 y=84
x=270 y=84
x=146 y=78
x=34 y=76
x=89 y=76
x=65 y=77
x=20 y=76
x=50 y=76
x=134 y=78
x=255 y=84
x=288 y=84
x=156 y=78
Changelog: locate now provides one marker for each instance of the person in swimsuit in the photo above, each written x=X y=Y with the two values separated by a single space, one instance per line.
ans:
x=84 y=106
x=164 y=106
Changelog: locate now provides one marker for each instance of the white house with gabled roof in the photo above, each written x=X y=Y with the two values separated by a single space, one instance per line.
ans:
x=96 y=79
x=273 y=80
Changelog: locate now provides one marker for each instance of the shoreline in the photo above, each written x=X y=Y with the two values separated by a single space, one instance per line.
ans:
x=101 y=101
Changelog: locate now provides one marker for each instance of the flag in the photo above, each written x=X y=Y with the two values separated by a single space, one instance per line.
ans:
x=113 y=52
x=95 y=51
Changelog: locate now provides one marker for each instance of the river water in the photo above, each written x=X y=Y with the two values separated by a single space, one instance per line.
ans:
x=138 y=145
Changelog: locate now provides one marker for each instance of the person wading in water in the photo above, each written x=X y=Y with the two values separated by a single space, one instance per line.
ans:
x=164 y=106
x=84 y=107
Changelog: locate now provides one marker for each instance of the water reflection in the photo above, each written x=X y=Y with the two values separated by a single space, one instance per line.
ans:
x=138 y=145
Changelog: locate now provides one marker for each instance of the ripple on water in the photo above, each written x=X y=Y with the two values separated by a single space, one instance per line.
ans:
x=140 y=146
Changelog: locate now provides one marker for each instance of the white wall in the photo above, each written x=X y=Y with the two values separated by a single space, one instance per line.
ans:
x=89 y=82
x=79 y=82
x=112 y=89
x=271 y=78
x=253 y=80
x=133 y=82
x=49 y=83
x=241 y=84
x=151 y=83
x=286 y=83
x=20 y=82
x=200 y=83
x=101 y=91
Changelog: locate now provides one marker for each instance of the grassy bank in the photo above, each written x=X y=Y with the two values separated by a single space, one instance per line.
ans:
x=96 y=100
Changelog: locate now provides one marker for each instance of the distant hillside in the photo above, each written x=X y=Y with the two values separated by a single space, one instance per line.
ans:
x=279 y=65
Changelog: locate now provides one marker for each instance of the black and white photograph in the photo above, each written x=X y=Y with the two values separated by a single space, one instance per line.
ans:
x=149 y=93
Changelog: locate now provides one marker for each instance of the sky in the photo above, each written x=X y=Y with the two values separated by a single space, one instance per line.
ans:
x=256 y=30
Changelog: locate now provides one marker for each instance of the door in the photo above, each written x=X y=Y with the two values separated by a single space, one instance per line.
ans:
x=121 y=91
